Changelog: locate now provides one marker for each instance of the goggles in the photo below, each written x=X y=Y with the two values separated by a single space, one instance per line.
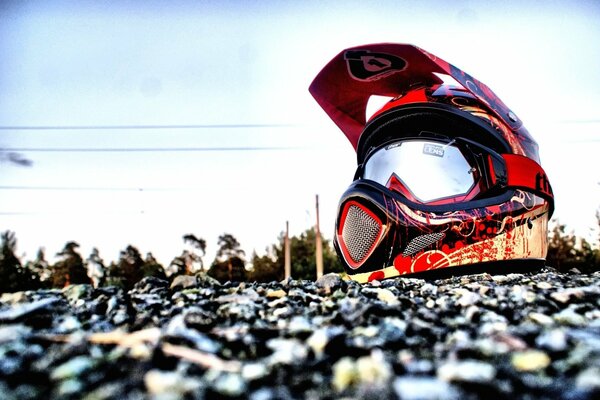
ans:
x=438 y=172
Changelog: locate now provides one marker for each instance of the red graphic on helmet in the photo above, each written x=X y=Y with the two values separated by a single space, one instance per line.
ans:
x=447 y=175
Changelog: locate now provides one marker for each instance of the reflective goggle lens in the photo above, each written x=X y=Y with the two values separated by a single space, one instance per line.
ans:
x=429 y=170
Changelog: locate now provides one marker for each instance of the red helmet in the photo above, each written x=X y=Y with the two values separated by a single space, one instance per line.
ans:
x=447 y=175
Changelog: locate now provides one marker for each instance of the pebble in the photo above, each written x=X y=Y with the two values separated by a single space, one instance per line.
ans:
x=424 y=388
x=19 y=311
x=387 y=297
x=589 y=378
x=466 y=371
x=184 y=282
x=344 y=373
x=553 y=340
x=277 y=294
x=330 y=283
x=569 y=316
x=170 y=383
x=530 y=361
x=72 y=368
x=230 y=384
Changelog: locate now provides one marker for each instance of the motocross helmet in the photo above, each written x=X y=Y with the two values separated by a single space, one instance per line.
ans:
x=447 y=175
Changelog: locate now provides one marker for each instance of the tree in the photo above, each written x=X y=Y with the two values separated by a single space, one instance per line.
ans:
x=40 y=270
x=303 y=258
x=566 y=251
x=96 y=269
x=69 y=270
x=153 y=268
x=13 y=277
x=189 y=262
x=229 y=263
x=129 y=267
x=265 y=268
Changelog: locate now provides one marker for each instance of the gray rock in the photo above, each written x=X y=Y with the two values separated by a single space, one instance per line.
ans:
x=424 y=388
x=73 y=293
x=17 y=312
x=553 y=340
x=466 y=371
x=184 y=282
x=330 y=283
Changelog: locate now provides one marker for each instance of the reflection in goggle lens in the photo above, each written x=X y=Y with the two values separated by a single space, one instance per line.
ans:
x=430 y=170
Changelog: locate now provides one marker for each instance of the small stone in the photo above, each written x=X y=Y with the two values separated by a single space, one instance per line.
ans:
x=279 y=312
x=589 y=379
x=230 y=384
x=387 y=297
x=276 y=293
x=184 y=282
x=286 y=351
x=169 y=383
x=568 y=316
x=330 y=282
x=15 y=313
x=541 y=319
x=299 y=324
x=69 y=324
x=554 y=340
x=321 y=337
x=467 y=298
x=530 y=361
x=373 y=369
x=77 y=292
x=69 y=387
x=466 y=371
x=254 y=371
x=205 y=280
x=344 y=373
x=544 y=285
x=72 y=368
x=13 y=332
x=424 y=388
x=564 y=296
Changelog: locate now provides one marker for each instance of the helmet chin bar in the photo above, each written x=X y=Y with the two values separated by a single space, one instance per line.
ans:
x=411 y=241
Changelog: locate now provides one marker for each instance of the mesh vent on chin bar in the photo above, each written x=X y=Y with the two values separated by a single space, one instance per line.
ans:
x=360 y=231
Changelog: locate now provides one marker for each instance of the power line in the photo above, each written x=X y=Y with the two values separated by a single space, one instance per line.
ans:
x=140 y=127
x=144 y=149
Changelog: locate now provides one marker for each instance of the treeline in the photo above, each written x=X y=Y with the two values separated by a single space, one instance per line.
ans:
x=567 y=251
x=230 y=264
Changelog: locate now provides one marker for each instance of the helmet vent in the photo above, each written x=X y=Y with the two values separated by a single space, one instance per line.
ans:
x=420 y=242
x=360 y=232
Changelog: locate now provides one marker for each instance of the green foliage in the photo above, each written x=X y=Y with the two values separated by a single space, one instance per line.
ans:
x=131 y=268
x=265 y=269
x=303 y=259
x=232 y=269
x=189 y=262
x=566 y=251
x=40 y=270
x=13 y=277
x=69 y=270
x=229 y=264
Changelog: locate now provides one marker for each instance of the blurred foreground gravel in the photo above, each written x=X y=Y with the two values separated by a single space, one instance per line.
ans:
x=531 y=335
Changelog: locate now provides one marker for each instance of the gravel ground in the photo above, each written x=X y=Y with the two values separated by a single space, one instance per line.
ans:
x=534 y=335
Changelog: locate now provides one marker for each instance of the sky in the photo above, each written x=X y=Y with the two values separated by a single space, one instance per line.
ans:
x=145 y=121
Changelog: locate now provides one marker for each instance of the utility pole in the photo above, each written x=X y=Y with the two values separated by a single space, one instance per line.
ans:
x=319 y=245
x=287 y=252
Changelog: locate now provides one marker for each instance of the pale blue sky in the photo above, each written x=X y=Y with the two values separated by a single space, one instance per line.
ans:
x=175 y=63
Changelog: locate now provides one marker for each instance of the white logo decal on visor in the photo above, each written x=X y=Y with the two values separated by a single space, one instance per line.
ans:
x=433 y=150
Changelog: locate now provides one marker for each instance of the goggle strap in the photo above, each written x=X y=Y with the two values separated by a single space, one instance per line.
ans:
x=524 y=173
